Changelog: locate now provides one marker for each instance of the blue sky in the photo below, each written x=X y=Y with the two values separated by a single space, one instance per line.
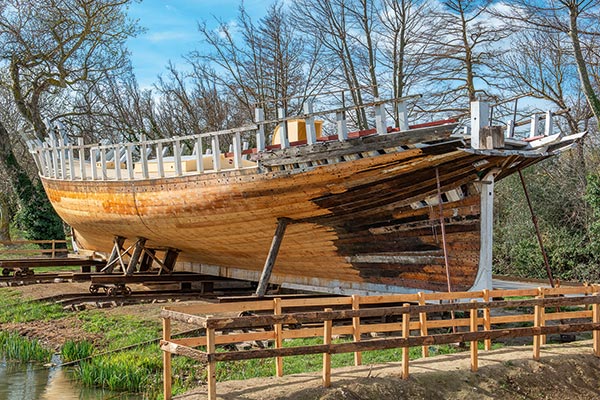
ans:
x=172 y=30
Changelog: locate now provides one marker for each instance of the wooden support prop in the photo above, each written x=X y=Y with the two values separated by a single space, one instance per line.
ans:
x=356 y=329
x=135 y=257
x=487 y=319
x=405 y=349
x=278 y=337
x=537 y=323
x=423 y=323
x=474 y=328
x=596 y=334
x=170 y=259
x=212 y=365
x=263 y=283
x=146 y=262
x=115 y=254
x=537 y=230
x=327 y=328
x=167 y=392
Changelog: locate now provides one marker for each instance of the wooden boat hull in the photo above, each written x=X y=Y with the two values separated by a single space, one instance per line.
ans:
x=369 y=224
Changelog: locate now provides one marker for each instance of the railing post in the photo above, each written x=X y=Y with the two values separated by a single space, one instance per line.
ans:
x=259 y=117
x=356 y=329
x=380 y=123
x=82 y=169
x=474 y=328
x=510 y=128
x=283 y=133
x=117 y=161
x=94 y=167
x=216 y=153
x=535 y=122
x=487 y=319
x=327 y=330
x=278 y=337
x=237 y=151
x=549 y=124
x=177 y=157
x=129 y=158
x=480 y=117
x=167 y=392
x=199 y=155
x=311 y=133
x=423 y=323
x=405 y=349
x=103 y=164
x=342 y=126
x=159 y=160
x=62 y=159
x=212 y=365
x=71 y=162
x=144 y=157
x=402 y=116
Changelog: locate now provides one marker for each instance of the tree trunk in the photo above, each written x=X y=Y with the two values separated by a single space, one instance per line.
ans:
x=4 y=217
x=36 y=216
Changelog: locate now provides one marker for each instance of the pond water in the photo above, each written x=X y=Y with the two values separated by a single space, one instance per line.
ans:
x=29 y=381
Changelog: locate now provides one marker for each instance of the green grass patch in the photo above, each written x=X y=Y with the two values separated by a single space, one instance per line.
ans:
x=16 y=347
x=15 y=308
x=76 y=350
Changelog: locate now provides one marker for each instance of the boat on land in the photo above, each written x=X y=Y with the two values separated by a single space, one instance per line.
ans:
x=386 y=210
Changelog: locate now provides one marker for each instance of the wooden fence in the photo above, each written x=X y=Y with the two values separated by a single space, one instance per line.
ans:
x=544 y=311
x=44 y=248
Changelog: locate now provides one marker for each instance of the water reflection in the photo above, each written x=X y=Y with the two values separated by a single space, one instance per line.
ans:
x=26 y=381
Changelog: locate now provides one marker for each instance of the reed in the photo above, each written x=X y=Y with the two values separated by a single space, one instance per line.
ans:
x=73 y=350
x=16 y=347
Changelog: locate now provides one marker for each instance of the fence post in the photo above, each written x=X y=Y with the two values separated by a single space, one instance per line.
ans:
x=473 y=346
x=167 y=360
x=405 y=335
x=53 y=248
x=596 y=333
x=278 y=337
x=542 y=316
x=487 y=319
x=327 y=329
x=356 y=329
x=212 y=365
x=423 y=324
x=537 y=322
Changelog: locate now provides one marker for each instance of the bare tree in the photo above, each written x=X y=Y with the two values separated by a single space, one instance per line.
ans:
x=465 y=52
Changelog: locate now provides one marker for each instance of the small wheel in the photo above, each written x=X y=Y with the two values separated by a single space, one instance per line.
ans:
x=93 y=289
x=18 y=274
x=127 y=291
x=5 y=272
x=110 y=291
x=29 y=272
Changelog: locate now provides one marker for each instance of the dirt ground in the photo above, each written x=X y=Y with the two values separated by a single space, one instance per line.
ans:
x=567 y=371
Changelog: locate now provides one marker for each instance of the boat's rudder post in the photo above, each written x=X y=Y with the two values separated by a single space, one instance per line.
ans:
x=282 y=223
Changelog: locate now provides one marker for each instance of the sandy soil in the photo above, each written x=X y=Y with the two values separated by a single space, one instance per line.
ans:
x=567 y=371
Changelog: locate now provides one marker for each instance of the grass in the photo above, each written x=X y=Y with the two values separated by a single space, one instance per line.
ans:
x=72 y=350
x=15 y=347
x=15 y=308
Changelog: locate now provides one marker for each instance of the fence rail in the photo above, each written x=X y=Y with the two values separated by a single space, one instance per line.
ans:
x=17 y=247
x=544 y=310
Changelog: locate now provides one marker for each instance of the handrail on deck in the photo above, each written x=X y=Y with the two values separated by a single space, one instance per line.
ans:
x=192 y=154
x=539 y=308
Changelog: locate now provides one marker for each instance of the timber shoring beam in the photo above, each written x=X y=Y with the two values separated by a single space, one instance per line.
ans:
x=115 y=255
x=135 y=257
x=261 y=290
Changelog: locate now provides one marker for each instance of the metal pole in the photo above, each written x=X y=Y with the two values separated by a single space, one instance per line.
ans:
x=537 y=230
